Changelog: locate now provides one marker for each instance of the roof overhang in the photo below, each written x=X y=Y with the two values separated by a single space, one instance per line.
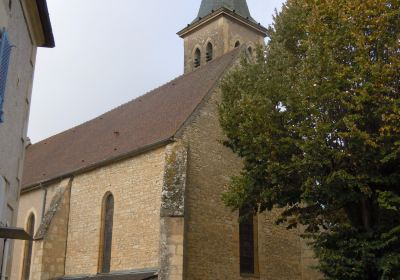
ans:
x=14 y=233
x=220 y=13
x=38 y=20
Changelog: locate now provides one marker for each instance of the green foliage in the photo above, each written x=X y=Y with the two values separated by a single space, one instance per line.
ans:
x=316 y=120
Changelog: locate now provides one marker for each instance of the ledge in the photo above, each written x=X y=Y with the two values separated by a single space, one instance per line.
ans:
x=145 y=274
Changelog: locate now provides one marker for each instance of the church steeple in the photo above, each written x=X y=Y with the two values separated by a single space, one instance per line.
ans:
x=220 y=26
x=239 y=6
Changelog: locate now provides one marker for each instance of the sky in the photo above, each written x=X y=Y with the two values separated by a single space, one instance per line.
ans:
x=107 y=55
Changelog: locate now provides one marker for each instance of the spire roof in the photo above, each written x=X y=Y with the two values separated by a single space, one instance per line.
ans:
x=238 y=6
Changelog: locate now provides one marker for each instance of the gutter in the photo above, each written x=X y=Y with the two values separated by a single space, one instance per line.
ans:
x=46 y=24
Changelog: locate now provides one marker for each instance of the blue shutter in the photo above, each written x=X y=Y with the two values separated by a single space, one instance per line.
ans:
x=5 y=52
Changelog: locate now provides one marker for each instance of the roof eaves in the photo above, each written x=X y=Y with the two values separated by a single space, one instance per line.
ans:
x=222 y=11
x=40 y=184
x=46 y=23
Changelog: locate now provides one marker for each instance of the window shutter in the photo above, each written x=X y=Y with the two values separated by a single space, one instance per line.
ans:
x=5 y=52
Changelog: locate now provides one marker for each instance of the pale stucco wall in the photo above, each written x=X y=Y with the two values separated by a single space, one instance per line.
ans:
x=16 y=110
x=16 y=101
x=4 y=14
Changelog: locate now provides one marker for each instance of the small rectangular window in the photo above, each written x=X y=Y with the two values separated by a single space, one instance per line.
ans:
x=5 y=53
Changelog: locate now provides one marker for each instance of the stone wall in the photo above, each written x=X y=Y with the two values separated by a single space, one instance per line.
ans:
x=48 y=261
x=32 y=202
x=172 y=213
x=223 y=33
x=236 y=32
x=212 y=234
x=136 y=185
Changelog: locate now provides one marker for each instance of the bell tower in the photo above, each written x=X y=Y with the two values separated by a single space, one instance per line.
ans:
x=220 y=26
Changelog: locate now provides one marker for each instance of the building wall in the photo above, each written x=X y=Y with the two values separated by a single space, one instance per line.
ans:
x=51 y=237
x=223 y=33
x=236 y=31
x=212 y=234
x=136 y=184
x=199 y=39
x=30 y=202
x=16 y=110
x=4 y=14
x=172 y=214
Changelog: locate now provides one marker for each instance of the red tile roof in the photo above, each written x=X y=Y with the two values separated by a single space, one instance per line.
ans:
x=150 y=120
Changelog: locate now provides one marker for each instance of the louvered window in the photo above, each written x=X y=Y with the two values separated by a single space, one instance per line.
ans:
x=209 y=54
x=5 y=52
x=197 y=58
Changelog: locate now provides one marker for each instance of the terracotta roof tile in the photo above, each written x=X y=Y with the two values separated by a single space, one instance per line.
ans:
x=143 y=122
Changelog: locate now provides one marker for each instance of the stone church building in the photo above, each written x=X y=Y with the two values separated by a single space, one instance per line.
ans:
x=136 y=192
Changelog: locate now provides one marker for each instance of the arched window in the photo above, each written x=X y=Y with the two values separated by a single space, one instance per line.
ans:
x=250 y=49
x=26 y=266
x=237 y=44
x=106 y=233
x=209 y=54
x=197 y=58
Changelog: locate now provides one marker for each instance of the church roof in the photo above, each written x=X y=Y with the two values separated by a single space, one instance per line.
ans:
x=239 y=6
x=144 y=123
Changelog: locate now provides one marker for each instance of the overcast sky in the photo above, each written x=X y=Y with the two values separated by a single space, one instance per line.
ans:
x=109 y=52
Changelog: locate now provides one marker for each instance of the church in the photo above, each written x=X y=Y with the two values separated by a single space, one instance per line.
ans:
x=136 y=192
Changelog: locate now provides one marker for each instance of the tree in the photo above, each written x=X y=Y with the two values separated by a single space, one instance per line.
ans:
x=316 y=120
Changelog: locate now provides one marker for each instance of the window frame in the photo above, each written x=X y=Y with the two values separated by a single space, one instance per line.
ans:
x=197 y=58
x=209 y=52
x=28 y=248
x=106 y=234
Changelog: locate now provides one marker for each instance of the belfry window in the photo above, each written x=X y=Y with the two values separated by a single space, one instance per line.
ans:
x=26 y=266
x=106 y=233
x=248 y=242
x=209 y=54
x=197 y=58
